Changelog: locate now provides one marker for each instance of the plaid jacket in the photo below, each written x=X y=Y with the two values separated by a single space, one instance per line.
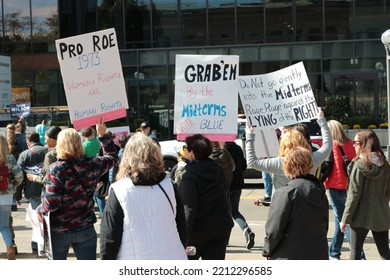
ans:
x=71 y=204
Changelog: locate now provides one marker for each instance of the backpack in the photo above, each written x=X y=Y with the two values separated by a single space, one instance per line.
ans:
x=4 y=177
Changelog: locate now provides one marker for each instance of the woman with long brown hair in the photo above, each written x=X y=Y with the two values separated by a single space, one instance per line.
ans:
x=367 y=206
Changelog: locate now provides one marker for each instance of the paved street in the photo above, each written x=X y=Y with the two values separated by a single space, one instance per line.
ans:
x=256 y=217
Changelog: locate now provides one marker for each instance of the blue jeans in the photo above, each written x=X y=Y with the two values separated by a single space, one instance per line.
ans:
x=337 y=200
x=235 y=202
x=83 y=243
x=5 y=213
x=101 y=203
x=267 y=181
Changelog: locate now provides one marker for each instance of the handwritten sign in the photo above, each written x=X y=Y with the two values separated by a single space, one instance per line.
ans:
x=206 y=99
x=276 y=99
x=93 y=79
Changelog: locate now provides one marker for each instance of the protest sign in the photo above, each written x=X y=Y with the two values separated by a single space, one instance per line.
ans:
x=118 y=131
x=18 y=110
x=40 y=232
x=206 y=98
x=93 y=79
x=277 y=99
x=5 y=85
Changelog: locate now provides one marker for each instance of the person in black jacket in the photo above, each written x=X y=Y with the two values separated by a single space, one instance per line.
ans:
x=298 y=218
x=31 y=161
x=203 y=191
x=235 y=191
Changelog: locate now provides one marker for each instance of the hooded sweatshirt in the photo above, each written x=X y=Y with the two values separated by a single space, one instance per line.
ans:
x=297 y=223
x=203 y=191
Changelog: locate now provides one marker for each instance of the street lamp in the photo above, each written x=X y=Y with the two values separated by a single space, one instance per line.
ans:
x=386 y=42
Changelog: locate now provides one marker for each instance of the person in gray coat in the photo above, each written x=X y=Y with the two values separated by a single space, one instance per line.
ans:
x=298 y=218
x=368 y=195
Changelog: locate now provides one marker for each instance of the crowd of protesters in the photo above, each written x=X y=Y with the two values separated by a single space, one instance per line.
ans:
x=189 y=214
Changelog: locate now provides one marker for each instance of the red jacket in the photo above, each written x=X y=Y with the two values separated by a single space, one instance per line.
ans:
x=338 y=178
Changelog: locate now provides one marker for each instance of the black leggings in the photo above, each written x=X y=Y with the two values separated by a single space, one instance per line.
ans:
x=358 y=235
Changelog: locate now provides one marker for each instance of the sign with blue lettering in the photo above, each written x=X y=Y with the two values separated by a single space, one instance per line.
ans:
x=93 y=80
x=277 y=99
x=206 y=96
x=21 y=109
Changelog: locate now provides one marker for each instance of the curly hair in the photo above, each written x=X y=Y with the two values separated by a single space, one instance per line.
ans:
x=142 y=159
x=292 y=139
x=11 y=137
x=298 y=162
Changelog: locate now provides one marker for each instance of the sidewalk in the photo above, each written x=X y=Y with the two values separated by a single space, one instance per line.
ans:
x=256 y=217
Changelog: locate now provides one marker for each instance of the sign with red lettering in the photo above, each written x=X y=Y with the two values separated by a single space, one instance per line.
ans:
x=92 y=75
x=277 y=99
x=206 y=96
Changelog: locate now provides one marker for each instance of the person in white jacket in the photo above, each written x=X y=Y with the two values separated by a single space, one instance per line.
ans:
x=144 y=216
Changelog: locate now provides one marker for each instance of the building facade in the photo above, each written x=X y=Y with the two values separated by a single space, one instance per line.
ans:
x=337 y=40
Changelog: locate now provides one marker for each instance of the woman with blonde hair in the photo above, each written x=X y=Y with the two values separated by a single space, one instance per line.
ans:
x=7 y=189
x=289 y=140
x=144 y=216
x=70 y=185
x=367 y=206
x=297 y=223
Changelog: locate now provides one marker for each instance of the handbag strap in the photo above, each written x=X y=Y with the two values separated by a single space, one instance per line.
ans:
x=343 y=154
x=166 y=195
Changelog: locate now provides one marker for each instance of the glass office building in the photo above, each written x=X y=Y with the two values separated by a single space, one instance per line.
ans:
x=337 y=40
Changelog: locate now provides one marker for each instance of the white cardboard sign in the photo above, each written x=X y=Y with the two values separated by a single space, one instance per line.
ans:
x=206 y=98
x=92 y=74
x=277 y=99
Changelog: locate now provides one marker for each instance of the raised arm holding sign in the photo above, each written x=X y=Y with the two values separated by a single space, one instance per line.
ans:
x=274 y=165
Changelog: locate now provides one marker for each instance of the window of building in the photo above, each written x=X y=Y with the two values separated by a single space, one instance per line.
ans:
x=193 y=22
x=165 y=31
x=279 y=22
x=369 y=19
x=138 y=24
x=17 y=27
x=338 y=16
x=309 y=21
x=44 y=24
x=250 y=21
x=221 y=22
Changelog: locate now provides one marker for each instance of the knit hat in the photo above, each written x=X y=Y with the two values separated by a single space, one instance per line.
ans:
x=53 y=131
